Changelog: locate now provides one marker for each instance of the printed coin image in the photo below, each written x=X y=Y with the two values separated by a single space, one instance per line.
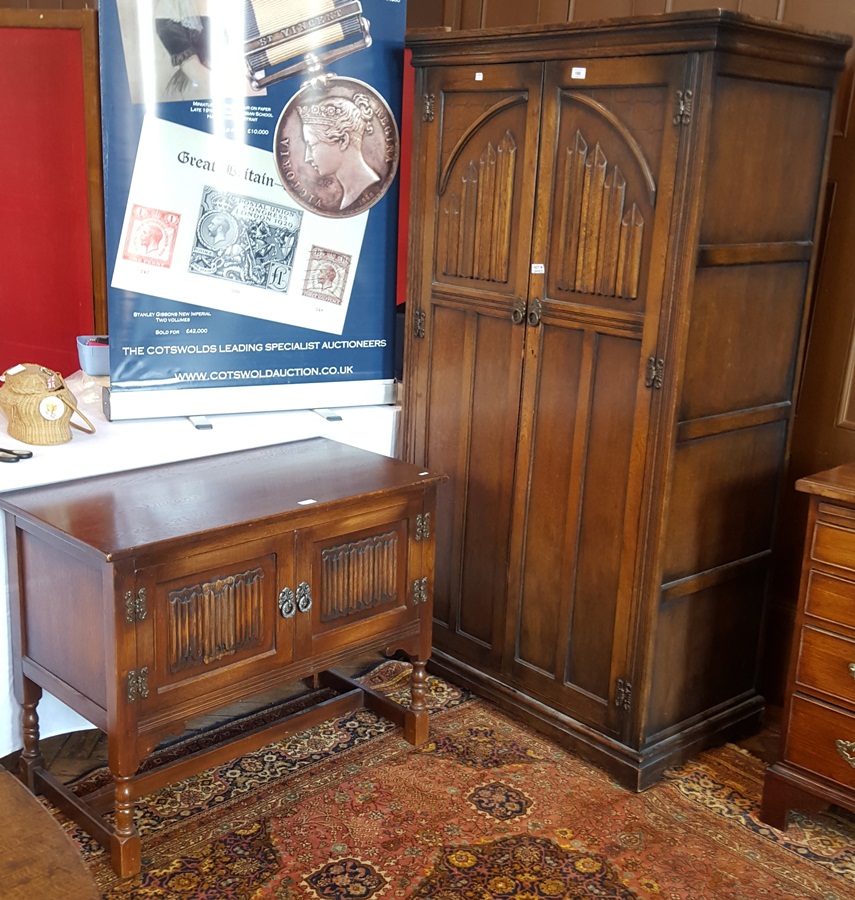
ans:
x=336 y=146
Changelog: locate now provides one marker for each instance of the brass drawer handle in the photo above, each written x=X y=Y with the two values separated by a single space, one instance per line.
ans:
x=847 y=750
x=852 y=669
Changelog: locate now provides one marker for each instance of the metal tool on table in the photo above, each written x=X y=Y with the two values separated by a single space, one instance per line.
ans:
x=12 y=456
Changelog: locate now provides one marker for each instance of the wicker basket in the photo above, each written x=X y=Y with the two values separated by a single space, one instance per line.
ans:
x=39 y=406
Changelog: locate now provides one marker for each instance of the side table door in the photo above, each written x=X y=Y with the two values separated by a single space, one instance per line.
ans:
x=209 y=624
x=361 y=576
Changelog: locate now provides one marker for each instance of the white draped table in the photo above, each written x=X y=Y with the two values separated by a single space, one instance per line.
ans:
x=131 y=444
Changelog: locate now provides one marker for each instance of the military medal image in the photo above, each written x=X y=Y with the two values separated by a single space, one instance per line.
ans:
x=336 y=146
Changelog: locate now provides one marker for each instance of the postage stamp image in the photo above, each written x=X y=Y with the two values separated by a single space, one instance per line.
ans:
x=151 y=236
x=248 y=241
x=326 y=275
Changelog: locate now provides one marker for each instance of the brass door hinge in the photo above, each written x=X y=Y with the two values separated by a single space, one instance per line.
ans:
x=429 y=107
x=683 y=108
x=135 y=606
x=655 y=372
x=423 y=527
x=138 y=684
x=420 y=591
x=418 y=323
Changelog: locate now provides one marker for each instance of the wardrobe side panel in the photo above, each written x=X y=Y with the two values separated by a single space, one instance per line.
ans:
x=763 y=175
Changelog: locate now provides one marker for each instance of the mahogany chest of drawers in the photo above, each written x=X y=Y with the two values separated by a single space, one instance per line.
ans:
x=817 y=759
x=145 y=598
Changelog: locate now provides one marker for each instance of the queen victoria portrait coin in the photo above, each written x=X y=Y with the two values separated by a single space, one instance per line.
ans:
x=336 y=146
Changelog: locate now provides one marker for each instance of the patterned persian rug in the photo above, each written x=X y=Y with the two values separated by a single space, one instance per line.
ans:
x=486 y=809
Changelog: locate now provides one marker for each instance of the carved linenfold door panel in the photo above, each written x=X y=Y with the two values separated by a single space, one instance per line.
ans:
x=484 y=168
x=606 y=179
x=481 y=161
x=198 y=618
x=211 y=620
x=354 y=580
x=477 y=215
x=600 y=238
x=604 y=196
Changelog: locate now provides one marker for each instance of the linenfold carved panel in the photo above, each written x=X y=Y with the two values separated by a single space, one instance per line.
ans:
x=358 y=575
x=602 y=240
x=215 y=619
x=478 y=215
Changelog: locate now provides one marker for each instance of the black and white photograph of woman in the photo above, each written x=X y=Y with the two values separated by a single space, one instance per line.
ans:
x=184 y=50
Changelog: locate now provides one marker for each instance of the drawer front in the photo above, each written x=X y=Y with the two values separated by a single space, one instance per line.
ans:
x=827 y=663
x=833 y=545
x=831 y=598
x=821 y=739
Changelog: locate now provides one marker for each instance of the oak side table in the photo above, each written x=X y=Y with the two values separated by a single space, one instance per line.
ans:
x=145 y=598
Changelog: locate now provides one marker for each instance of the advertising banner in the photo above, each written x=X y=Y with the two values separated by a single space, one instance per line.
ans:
x=251 y=152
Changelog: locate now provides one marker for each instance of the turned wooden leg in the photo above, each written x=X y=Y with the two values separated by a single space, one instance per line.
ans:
x=31 y=757
x=125 y=843
x=416 y=724
x=418 y=678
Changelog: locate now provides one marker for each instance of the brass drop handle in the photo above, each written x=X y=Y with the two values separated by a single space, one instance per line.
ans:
x=290 y=603
x=304 y=597
x=852 y=669
x=535 y=311
x=518 y=312
x=847 y=750
x=287 y=607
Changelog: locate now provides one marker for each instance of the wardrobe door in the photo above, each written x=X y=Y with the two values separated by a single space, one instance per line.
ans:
x=466 y=341
x=604 y=198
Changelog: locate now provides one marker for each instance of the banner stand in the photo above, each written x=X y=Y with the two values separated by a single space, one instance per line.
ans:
x=146 y=404
x=251 y=203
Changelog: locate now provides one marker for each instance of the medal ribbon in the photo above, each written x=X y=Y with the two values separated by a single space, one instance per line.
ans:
x=312 y=31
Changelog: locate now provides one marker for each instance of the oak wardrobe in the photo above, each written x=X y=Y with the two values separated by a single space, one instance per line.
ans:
x=613 y=230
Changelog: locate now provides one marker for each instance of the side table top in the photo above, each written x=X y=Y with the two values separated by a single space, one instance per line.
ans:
x=116 y=514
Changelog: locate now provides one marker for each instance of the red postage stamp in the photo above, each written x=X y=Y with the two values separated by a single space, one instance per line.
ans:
x=151 y=236
x=326 y=276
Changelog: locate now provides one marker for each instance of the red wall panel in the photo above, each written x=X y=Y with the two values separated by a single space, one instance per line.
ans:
x=46 y=282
